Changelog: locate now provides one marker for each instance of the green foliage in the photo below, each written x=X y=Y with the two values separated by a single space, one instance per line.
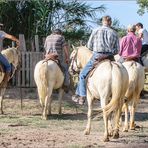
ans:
x=143 y=6
x=41 y=16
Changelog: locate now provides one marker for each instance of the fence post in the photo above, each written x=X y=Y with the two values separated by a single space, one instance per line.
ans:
x=37 y=43
x=22 y=42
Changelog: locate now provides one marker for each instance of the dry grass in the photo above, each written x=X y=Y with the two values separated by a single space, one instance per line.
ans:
x=25 y=128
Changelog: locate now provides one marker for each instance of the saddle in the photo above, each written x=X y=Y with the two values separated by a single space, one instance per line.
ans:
x=54 y=57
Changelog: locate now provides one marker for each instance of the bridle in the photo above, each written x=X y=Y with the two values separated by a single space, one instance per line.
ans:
x=74 y=60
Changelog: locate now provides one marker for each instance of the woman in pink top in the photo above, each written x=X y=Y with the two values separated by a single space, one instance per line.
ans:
x=130 y=45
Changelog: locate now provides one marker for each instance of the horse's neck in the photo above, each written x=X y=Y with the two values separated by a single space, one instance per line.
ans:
x=84 y=56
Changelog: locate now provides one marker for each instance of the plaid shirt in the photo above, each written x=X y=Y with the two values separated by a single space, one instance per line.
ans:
x=54 y=43
x=104 y=39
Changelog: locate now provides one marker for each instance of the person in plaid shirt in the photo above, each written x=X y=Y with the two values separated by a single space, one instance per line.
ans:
x=103 y=41
x=55 y=44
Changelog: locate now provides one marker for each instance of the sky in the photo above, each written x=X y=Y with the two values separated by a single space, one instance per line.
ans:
x=123 y=10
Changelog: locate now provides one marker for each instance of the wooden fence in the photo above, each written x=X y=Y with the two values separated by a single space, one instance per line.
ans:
x=24 y=77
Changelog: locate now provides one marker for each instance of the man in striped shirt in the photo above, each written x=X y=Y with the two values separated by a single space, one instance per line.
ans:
x=103 y=41
x=56 y=44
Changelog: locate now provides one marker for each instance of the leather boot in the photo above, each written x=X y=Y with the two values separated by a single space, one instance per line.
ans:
x=5 y=80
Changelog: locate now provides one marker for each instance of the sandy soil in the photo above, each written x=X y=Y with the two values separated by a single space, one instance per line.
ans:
x=24 y=128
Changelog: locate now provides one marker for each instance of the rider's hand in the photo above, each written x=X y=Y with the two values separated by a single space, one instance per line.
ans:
x=18 y=43
x=67 y=60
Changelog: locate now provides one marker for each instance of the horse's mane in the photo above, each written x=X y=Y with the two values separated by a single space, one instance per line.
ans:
x=84 y=54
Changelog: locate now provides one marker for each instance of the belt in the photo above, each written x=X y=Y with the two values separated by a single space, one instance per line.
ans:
x=105 y=52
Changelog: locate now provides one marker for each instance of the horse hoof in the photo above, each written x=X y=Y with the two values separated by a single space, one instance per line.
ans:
x=1 y=112
x=132 y=128
x=44 y=117
x=106 y=139
x=110 y=133
x=60 y=113
x=125 y=130
x=116 y=136
x=86 y=132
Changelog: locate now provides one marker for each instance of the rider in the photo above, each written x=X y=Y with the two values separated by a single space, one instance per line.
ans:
x=103 y=41
x=56 y=44
x=130 y=45
x=143 y=35
x=3 y=60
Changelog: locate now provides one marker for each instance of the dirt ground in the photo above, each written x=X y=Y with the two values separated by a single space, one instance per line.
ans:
x=24 y=128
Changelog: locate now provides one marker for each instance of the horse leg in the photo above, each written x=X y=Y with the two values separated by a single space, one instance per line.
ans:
x=105 y=118
x=125 y=128
x=47 y=104
x=110 y=125
x=117 y=123
x=2 y=92
x=89 y=114
x=61 y=92
x=1 y=105
x=132 y=116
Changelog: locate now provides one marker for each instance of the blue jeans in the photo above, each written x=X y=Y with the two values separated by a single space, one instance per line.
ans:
x=81 y=86
x=5 y=63
x=66 y=75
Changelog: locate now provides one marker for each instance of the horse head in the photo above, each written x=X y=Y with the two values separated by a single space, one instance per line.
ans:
x=74 y=67
x=79 y=58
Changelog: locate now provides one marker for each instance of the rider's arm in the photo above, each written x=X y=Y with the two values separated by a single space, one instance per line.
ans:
x=90 y=41
x=11 y=37
x=66 y=52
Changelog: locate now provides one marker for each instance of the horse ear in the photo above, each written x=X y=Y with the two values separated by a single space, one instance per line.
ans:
x=74 y=48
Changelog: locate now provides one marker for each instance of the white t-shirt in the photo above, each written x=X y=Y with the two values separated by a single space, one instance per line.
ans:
x=2 y=36
x=145 y=36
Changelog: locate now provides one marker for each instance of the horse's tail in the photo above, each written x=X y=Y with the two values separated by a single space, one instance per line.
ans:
x=136 y=78
x=41 y=77
x=117 y=88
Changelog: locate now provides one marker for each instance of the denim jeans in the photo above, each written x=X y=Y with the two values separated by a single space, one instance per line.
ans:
x=66 y=75
x=81 y=86
x=5 y=63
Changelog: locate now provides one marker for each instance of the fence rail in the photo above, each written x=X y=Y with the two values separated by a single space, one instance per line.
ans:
x=24 y=77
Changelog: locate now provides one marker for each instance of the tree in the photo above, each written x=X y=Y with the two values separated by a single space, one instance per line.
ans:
x=143 y=6
x=40 y=17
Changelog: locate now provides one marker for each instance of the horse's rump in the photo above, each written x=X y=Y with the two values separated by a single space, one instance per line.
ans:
x=109 y=80
x=47 y=76
x=136 y=78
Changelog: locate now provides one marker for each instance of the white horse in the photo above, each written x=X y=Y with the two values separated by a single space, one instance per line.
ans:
x=48 y=76
x=145 y=61
x=132 y=96
x=13 y=57
x=108 y=83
